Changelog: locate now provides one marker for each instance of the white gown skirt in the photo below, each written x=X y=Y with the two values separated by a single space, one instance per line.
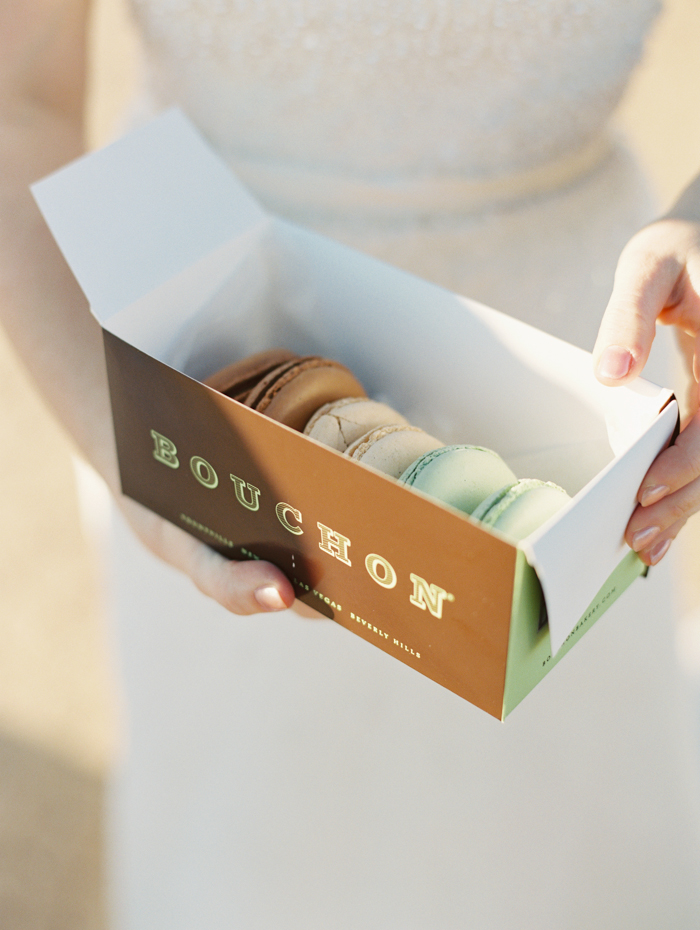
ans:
x=280 y=772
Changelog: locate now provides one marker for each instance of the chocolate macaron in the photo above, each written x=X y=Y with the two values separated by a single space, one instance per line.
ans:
x=239 y=378
x=293 y=391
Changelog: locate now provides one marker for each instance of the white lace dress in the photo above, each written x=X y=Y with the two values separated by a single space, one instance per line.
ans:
x=281 y=773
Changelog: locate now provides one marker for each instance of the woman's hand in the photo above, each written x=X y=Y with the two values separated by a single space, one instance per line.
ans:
x=241 y=587
x=658 y=279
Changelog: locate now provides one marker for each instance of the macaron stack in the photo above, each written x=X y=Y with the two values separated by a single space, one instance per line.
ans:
x=323 y=399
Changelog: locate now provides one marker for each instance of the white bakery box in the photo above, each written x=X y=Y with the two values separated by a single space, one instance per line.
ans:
x=186 y=272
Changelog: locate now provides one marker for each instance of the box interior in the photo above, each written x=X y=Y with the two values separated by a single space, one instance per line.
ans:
x=473 y=385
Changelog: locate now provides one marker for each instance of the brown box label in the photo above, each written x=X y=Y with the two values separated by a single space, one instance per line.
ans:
x=421 y=583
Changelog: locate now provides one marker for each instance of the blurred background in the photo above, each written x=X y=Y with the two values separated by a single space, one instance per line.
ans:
x=59 y=719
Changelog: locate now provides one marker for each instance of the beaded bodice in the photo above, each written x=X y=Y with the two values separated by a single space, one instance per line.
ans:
x=395 y=88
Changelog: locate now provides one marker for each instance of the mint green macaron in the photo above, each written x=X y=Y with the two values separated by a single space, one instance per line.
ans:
x=461 y=475
x=518 y=509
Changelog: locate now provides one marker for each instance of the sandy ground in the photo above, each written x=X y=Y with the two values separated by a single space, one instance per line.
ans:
x=58 y=719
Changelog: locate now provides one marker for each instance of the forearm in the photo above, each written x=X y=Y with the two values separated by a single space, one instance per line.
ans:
x=41 y=306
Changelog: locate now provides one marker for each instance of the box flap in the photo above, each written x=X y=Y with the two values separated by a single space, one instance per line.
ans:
x=586 y=542
x=135 y=214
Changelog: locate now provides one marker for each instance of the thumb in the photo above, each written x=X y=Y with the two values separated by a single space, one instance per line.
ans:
x=645 y=280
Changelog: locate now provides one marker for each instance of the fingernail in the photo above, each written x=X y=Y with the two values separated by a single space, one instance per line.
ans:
x=652 y=495
x=269 y=598
x=658 y=552
x=614 y=363
x=642 y=538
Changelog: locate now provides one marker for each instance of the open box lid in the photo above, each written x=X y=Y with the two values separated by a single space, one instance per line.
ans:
x=156 y=209
x=153 y=225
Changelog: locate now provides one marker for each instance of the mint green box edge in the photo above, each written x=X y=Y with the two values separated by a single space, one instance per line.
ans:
x=529 y=649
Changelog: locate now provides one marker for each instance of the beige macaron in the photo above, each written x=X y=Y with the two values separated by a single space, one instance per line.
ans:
x=391 y=449
x=340 y=423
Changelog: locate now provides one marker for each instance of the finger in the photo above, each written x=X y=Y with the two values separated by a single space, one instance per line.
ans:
x=675 y=468
x=645 y=281
x=241 y=587
x=649 y=527
x=655 y=552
